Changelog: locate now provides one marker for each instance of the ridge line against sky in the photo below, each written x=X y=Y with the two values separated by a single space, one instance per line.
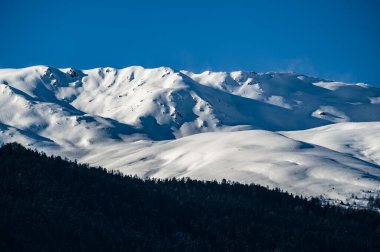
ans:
x=337 y=40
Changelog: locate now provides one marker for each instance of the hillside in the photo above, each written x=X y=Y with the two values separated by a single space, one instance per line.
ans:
x=49 y=204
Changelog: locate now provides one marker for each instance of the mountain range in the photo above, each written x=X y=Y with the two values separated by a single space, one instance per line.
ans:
x=305 y=135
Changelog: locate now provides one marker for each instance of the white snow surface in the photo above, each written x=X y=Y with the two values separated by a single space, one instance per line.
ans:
x=302 y=134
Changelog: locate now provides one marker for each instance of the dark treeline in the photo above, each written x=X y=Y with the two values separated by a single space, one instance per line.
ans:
x=49 y=204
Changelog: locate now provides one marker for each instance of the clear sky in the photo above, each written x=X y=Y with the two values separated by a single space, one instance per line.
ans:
x=336 y=39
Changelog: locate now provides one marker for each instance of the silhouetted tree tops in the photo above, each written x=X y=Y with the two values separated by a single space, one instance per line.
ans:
x=51 y=204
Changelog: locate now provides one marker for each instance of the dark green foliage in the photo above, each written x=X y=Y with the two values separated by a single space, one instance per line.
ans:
x=49 y=204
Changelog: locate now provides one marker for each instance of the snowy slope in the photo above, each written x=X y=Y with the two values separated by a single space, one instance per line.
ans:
x=303 y=134
x=361 y=140
x=263 y=157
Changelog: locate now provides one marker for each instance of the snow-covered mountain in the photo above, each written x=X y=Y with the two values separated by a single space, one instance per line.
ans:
x=302 y=134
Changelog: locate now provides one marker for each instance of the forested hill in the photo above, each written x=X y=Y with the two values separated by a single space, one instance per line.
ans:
x=49 y=204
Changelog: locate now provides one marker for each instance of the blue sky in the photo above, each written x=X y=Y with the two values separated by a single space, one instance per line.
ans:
x=334 y=39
